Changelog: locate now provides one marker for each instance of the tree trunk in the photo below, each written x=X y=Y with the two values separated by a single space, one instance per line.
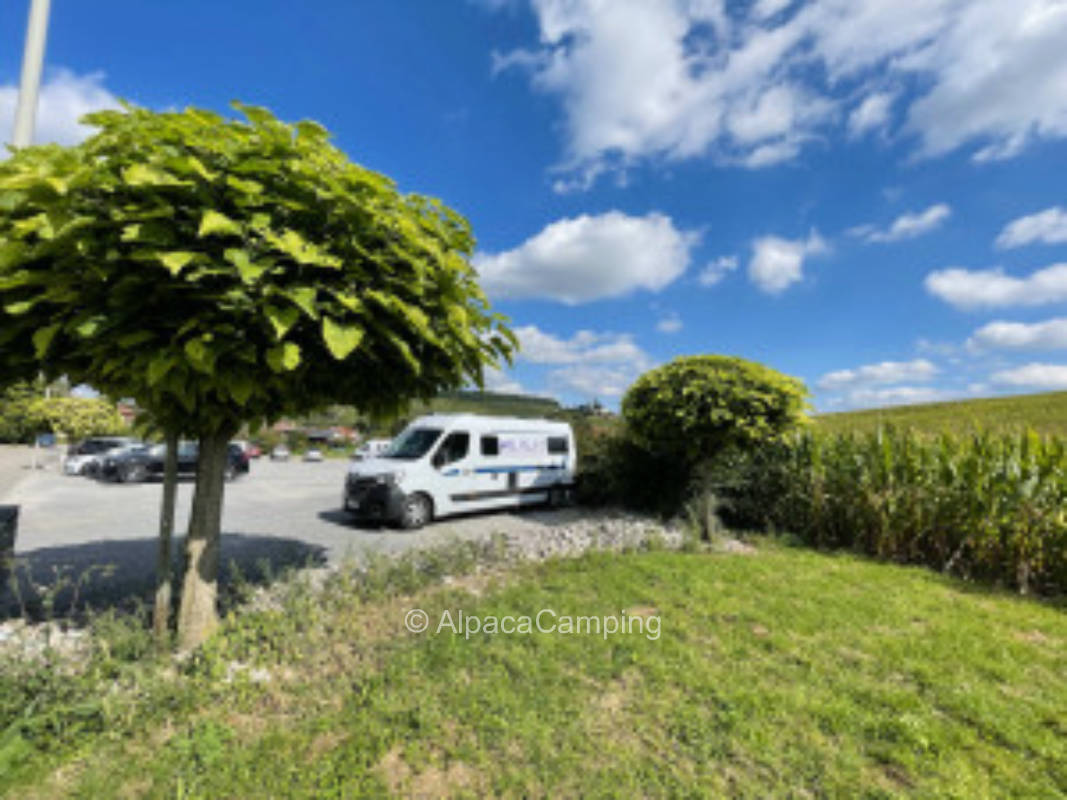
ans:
x=198 y=617
x=164 y=576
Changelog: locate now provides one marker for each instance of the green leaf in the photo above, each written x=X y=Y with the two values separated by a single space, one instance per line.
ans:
x=282 y=319
x=89 y=327
x=340 y=339
x=241 y=388
x=43 y=338
x=349 y=301
x=176 y=260
x=250 y=272
x=313 y=131
x=214 y=223
x=135 y=338
x=198 y=167
x=200 y=356
x=39 y=224
x=303 y=252
x=248 y=187
x=284 y=358
x=159 y=367
x=15 y=309
x=147 y=175
x=58 y=184
x=304 y=296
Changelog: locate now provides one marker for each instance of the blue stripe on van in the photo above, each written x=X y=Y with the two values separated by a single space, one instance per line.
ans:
x=451 y=473
x=491 y=470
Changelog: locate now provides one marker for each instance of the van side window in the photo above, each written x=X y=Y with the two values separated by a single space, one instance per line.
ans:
x=557 y=445
x=453 y=448
x=490 y=446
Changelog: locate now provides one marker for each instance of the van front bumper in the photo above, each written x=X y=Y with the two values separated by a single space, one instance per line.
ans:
x=369 y=499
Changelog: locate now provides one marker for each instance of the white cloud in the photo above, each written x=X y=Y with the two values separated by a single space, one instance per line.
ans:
x=716 y=270
x=892 y=396
x=885 y=372
x=768 y=8
x=906 y=226
x=872 y=114
x=991 y=288
x=593 y=382
x=1048 y=335
x=1033 y=376
x=778 y=263
x=499 y=381
x=671 y=323
x=590 y=258
x=589 y=363
x=752 y=85
x=64 y=98
x=584 y=347
x=1048 y=226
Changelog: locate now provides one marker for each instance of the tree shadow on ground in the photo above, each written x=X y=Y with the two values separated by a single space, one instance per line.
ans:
x=66 y=582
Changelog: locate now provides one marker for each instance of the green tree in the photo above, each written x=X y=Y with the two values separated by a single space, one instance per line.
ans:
x=696 y=406
x=16 y=419
x=76 y=417
x=224 y=272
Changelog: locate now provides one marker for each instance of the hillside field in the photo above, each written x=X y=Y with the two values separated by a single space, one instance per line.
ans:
x=1046 y=413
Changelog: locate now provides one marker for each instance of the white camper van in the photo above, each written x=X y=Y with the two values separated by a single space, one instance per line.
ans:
x=446 y=464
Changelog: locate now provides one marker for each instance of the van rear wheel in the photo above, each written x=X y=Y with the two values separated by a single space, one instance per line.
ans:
x=417 y=512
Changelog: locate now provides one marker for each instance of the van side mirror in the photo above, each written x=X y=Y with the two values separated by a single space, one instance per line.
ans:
x=438 y=459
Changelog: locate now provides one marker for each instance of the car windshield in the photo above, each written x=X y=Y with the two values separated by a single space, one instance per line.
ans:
x=413 y=443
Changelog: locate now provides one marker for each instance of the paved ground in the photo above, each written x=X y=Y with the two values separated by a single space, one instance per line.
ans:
x=280 y=513
x=16 y=463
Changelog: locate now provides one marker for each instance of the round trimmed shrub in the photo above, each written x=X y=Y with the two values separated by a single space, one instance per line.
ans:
x=697 y=406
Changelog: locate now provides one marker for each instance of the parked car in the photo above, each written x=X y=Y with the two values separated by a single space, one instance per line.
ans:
x=254 y=451
x=93 y=464
x=313 y=454
x=372 y=448
x=279 y=453
x=83 y=457
x=139 y=464
x=239 y=460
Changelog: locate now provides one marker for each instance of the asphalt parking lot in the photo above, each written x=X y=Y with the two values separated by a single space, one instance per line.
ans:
x=284 y=513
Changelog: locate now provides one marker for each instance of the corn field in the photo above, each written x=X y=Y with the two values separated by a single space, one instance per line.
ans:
x=983 y=506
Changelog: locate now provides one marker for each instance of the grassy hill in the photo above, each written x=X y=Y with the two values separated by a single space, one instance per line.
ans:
x=1046 y=413
x=492 y=403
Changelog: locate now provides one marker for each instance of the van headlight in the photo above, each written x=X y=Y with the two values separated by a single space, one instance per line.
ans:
x=390 y=477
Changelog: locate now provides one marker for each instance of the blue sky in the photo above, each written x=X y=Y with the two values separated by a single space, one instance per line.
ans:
x=867 y=194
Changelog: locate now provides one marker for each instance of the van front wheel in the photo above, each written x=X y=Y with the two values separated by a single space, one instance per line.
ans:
x=417 y=512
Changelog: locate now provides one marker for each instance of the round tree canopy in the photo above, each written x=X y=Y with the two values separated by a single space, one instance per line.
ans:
x=697 y=405
x=222 y=271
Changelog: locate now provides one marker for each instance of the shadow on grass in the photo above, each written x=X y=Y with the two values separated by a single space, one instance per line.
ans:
x=66 y=582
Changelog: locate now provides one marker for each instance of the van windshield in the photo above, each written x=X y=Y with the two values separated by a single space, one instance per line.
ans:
x=413 y=443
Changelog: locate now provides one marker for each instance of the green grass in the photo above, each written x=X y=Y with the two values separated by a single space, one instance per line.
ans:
x=1046 y=413
x=790 y=673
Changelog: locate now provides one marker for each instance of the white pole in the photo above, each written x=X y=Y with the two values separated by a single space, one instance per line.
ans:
x=32 y=62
